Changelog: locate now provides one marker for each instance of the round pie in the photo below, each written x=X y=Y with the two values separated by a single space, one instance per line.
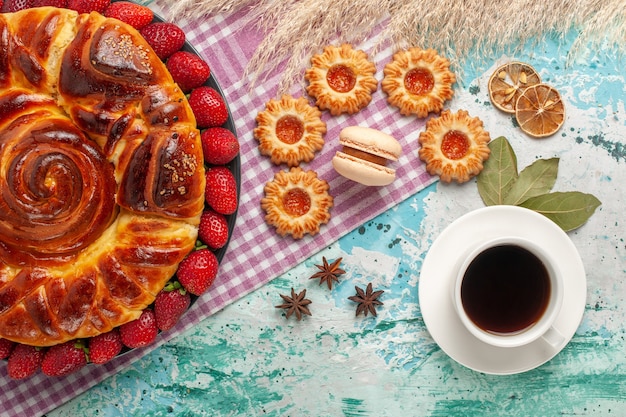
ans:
x=101 y=175
x=418 y=81
x=454 y=146
x=290 y=130
x=341 y=79
x=297 y=202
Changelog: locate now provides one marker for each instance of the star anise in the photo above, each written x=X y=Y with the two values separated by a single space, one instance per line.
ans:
x=328 y=273
x=295 y=304
x=367 y=300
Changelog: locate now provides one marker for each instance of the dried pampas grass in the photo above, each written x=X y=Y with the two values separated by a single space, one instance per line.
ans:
x=461 y=30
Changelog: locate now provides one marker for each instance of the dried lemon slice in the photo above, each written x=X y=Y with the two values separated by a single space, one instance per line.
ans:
x=539 y=111
x=508 y=82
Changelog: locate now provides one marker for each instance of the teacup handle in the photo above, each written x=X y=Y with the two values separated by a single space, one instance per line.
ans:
x=553 y=337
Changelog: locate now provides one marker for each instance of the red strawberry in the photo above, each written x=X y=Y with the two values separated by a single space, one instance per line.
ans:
x=6 y=346
x=87 y=6
x=140 y=332
x=197 y=271
x=219 y=145
x=170 y=303
x=221 y=190
x=208 y=106
x=16 y=5
x=165 y=38
x=63 y=359
x=53 y=3
x=213 y=230
x=134 y=14
x=24 y=361
x=188 y=70
x=105 y=346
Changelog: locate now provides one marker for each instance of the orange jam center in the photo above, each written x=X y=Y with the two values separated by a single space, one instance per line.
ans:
x=289 y=129
x=455 y=144
x=341 y=78
x=296 y=202
x=419 y=81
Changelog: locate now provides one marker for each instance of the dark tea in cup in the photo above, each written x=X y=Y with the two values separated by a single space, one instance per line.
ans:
x=508 y=292
x=505 y=289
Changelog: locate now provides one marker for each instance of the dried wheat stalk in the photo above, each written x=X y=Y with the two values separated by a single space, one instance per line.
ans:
x=295 y=29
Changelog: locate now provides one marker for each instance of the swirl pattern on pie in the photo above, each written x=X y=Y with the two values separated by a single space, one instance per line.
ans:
x=341 y=79
x=290 y=130
x=297 y=202
x=454 y=146
x=418 y=81
x=101 y=175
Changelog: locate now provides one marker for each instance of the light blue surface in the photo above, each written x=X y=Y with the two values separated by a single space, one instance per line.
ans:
x=249 y=360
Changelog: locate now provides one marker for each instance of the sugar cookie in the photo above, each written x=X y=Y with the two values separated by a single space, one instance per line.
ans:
x=341 y=79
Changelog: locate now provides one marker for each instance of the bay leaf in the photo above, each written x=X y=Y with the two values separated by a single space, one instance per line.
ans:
x=569 y=210
x=499 y=172
x=536 y=179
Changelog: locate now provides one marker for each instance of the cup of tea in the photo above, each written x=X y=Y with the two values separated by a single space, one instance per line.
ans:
x=508 y=293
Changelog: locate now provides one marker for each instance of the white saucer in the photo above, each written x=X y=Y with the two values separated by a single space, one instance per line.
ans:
x=441 y=266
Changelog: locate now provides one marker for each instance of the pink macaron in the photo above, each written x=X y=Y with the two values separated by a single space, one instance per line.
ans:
x=365 y=155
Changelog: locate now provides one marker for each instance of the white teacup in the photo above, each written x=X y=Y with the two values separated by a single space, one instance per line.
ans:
x=508 y=293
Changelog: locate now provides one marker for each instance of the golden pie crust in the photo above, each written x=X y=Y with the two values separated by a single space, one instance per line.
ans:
x=341 y=79
x=290 y=130
x=101 y=175
x=418 y=81
x=454 y=146
x=297 y=202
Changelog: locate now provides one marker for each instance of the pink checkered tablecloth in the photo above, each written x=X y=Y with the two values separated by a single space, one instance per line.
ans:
x=256 y=254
